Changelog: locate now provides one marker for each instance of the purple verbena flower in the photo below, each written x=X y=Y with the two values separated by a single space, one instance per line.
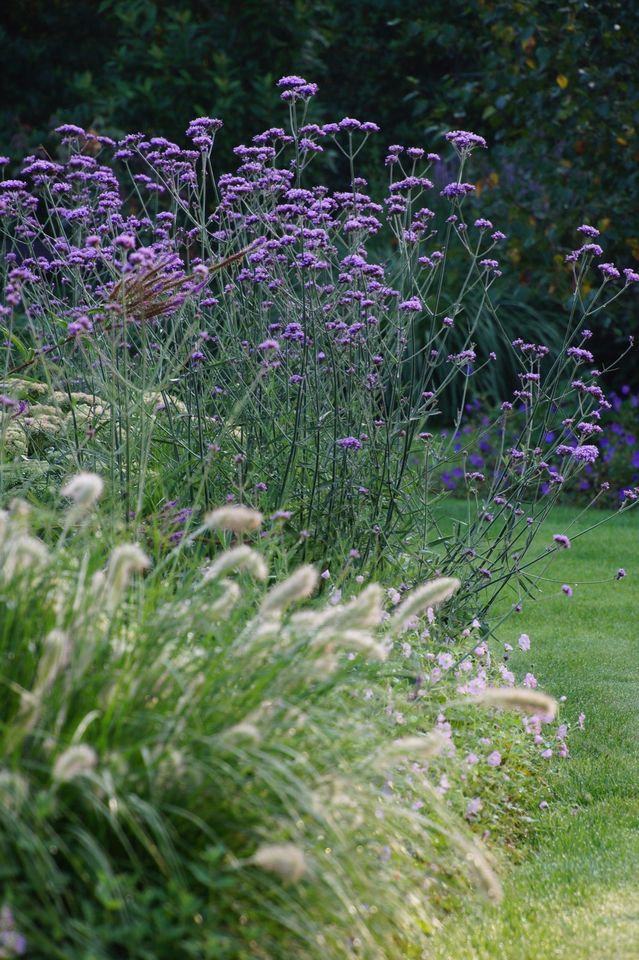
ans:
x=562 y=540
x=464 y=139
x=587 y=230
x=349 y=443
x=414 y=303
x=609 y=271
x=586 y=453
x=452 y=191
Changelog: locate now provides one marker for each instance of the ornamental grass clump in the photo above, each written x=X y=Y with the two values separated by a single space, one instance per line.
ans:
x=257 y=336
x=197 y=763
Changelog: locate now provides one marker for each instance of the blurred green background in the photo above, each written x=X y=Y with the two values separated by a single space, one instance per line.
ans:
x=553 y=86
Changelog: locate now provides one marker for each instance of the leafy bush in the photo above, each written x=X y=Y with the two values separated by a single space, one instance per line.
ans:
x=262 y=354
x=178 y=776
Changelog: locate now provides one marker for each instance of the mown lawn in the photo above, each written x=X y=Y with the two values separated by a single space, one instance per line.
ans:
x=576 y=895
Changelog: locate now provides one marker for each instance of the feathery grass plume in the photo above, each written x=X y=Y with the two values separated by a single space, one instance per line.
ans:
x=284 y=859
x=485 y=875
x=24 y=552
x=301 y=584
x=54 y=657
x=149 y=292
x=430 y=594
x=306 y=621
x=252 y=725
x=361 y=612
x=236 y=518
x=27 y=717
x=423 y=747
x=236 y=559
x=4 y=525
x=76 y=761
x=244 y=730
x=221 y=608
x=85 y=489
x=14 y=790
x=350 y=639
x=518 y=698
x=125 y=560
x=20 y=512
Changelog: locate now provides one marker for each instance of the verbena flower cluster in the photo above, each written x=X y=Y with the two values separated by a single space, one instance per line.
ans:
x=247 y=332
x=605 y=472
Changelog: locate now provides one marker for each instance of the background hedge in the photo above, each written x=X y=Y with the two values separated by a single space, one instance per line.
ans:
x=553 y=86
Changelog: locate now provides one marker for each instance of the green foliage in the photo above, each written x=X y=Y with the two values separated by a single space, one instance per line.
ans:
x=553 y=87
x=178 y=779
x=571 y=898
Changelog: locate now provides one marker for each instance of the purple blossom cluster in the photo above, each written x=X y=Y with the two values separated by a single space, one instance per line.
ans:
x=264 y=292
x=581 y=471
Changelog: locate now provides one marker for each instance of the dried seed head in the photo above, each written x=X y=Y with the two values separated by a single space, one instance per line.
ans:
x=299 y=586
x=149 y=291
x=430 y=594
x=518 y=698
x=75 y=761
x=236 y=518
x=238 y=558
x=284 y=859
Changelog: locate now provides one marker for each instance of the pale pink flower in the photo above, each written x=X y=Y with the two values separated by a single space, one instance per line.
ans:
x=507 y=676
x=473 y=807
